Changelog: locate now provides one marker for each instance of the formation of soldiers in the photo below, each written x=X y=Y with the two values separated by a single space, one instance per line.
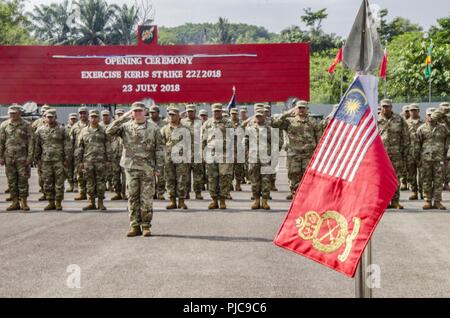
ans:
x=141 y=156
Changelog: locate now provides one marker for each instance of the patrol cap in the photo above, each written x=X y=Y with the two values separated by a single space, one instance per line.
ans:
x=216 y=107
x=406 y=108
x=259 y=112
x=386 y=102
x=44 y=108
x=50 y=113
x=437 y=115
x=94 y=112
x=444 y=107
x=105 y=112
x=138 y=106
x=267 y=107
x=203 y=112
x=120 y=111
x=73 y=115
x=173 y=111
x=258 y=105
x=83 y=109
x=414 y=107
x=445 y=104
x=154 y=109
x=430 y=110
x=243 y=109
x=233 y=111
x=14 y=108
x=301 y=103
x=190 y=108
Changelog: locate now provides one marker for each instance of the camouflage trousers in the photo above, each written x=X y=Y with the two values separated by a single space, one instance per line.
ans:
x=95 y=174
x=53 y=176
x=40 y=180
x=220 y=178
x=141 y=188
x=160 y=183
x=198 y=175
x=414 y=177
x=260 y=182
x=17 y=174
x=397 y=163
x=239 y=172
x=432 y=179
x=404 y=172
x=118 y=178
x=81 y=179
x=176 y=179
x=296 y=167
x=70 y=173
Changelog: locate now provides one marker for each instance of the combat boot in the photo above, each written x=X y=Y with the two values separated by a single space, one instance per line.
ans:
x=273 y=187
x=439 y=205
x=14 y=205
x=222 y=204
x=181 y=204
x=24 y=204
x=427 y=205
x=81 y=197
x=198 y=196
x=58 y=205
x=238 y=186
x=134 y=231
x=50 y=206
x=213 y=204
x=146 y=231
x=256 y=204
x=173 y=204
x=396 y=205
x=289 y=197
x=101 y=206
x=414 y=196
x=91 y=205
x=117 y=197
x=42 y=198
x=70 y=188
x=265 y=204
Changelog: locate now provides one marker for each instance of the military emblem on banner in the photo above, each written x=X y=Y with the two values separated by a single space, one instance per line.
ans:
x=147 y=33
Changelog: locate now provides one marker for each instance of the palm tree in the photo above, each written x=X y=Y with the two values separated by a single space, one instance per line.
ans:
x=222 y=32
x=53 y=23
x=95 y=22
x=124 y=28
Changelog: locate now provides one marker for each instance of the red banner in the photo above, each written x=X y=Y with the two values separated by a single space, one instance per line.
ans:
x=179 y=73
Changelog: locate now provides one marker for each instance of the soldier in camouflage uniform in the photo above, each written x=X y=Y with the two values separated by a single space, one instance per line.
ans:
x=175 y=137
x=203 y=114
x=94 y=155
x=160 y=180
x=53 y=152
x=106 y=121
x=303 y=134
x=35 y=125
x=118 y=178
x=83 y=114
x=404 y=172
x=142 y=159
x=16 y=153
x=432 y=145
x=268 y=120
x=243 y=116
x=220 y=172
x=70 y=169
x=414 y=179
x=239 y=167
x=195 y=125
x=260 y=172
x=395 y=135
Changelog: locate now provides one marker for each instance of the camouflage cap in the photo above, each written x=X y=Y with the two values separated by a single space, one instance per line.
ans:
x=119 y=111
x=444 y=107
x=267 y=107
x=258 y=105
x=414 y=107
x=14 y=108
x=444 y=104
x=154 y=109
x=73 y=115
x=233 y=111
x=216 y=106
x=83 y=109
x=51 y=112
x=243 y=109
x=138 y=106
x=405 y=108
x=203 y=112
x=437 y=115
x=173 y=111
x=301 y=103
x=386 y=102
x=430 y=110
x=94 y=112
x=105 y=112
x=44 y=108
x=190 y=107
x=260 y=112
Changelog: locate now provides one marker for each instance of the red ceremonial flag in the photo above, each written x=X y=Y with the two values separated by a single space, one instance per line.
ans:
x=346 y=188
x=383 y=67
x=336 y=61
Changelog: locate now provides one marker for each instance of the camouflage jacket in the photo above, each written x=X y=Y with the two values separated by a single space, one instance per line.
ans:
x=173 y=136
x=258 y=140
x=303 y=133
x=394 y=132
x=74 y=133
x=93 y=145
x=209 y=138
x=432 y=142
x=37 y=123
x=16 y=141
x=413 y=125
x=195 y=127
x=142 y=144
x=52 y=144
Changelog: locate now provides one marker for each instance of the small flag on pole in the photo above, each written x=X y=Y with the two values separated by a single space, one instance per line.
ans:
x=232 y=103
x=346 y=188
x=336 y=61
x=428 y=63
x=383 y=67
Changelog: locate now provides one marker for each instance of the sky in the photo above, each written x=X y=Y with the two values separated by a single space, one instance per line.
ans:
x=276 y=15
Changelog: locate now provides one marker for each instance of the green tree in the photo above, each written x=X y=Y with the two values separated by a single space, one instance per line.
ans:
x=440 y=33
x=313 y=19
x=222 y=32
x=124 y=27
x=13 y=23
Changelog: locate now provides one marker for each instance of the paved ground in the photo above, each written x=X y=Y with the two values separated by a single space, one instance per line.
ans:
x=199 y=253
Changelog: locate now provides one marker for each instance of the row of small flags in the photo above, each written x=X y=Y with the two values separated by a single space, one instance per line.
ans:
x=384 y=61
